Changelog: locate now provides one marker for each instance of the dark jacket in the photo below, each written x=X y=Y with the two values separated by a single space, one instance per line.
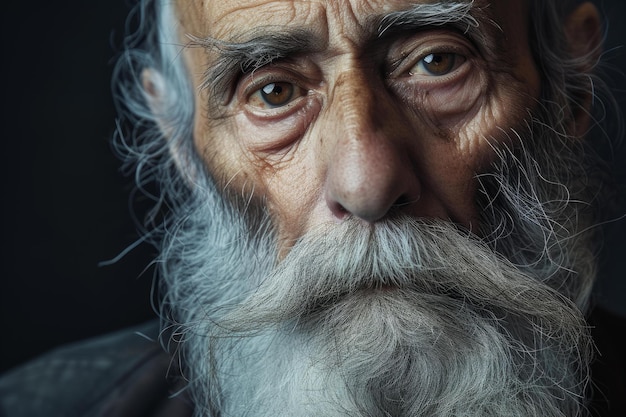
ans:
x=124 y=374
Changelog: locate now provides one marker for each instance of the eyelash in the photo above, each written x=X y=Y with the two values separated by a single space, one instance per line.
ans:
x=401 y=67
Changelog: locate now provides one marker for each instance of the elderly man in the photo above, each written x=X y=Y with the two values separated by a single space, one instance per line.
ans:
x=374 y=207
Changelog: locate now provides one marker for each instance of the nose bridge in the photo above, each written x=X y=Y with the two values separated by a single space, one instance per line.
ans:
x=356 y=102
x=370 y=169
x=364 y=125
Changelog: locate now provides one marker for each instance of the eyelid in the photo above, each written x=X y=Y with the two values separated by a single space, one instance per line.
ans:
x=403 y=69
x=413 y=50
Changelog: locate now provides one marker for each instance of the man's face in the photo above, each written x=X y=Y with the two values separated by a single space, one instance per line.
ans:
x=354 y=109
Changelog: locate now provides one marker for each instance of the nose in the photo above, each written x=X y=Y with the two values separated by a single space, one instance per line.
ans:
x=370 y=169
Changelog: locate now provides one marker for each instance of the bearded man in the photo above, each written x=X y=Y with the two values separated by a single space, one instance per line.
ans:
x=374 y=207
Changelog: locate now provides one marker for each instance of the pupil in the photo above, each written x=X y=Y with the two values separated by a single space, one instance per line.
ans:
x=439 y=64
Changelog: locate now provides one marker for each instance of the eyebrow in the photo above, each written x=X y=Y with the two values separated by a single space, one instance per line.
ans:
x=264 y=46
x=459 y=15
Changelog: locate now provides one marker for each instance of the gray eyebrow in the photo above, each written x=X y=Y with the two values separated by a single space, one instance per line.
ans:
x=455 y=14
x=263 y=47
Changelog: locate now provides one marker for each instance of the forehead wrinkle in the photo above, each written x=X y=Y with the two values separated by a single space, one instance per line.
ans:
x=228 y=24
x=242 y=7
x=207 y=13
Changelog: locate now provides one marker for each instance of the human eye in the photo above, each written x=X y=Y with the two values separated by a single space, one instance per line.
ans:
x=277 y=90
x=274 y=95
x=432 y=58
x=273 y=91
x=437 y=64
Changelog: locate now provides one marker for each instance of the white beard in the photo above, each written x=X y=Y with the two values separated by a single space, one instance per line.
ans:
x=402 y=318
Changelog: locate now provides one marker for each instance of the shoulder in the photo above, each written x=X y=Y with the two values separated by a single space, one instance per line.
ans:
x=123 y=374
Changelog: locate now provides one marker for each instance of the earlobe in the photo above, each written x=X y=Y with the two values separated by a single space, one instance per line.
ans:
x=583 y=32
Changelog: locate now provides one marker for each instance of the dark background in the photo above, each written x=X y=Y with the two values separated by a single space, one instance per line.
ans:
x=64 y=202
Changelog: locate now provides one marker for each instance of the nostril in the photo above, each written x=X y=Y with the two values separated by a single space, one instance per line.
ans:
x=402 y=201
x=339 y=211
x=406 y=200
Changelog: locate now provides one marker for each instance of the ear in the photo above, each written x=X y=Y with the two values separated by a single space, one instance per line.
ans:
x=583 y=32
x=156 y=96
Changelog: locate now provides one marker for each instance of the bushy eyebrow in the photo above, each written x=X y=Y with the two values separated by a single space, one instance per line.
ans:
x=459 y=15
x=263 y=47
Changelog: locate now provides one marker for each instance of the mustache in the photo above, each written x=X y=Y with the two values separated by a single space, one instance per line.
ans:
x=404 y=254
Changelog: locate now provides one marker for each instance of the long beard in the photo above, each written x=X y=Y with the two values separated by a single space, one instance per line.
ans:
x=402 y=318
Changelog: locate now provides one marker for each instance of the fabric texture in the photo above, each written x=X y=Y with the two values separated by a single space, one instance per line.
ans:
x=124 y=374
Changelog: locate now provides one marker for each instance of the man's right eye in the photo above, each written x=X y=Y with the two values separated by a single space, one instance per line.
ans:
x=274 y=95
x=438 y=64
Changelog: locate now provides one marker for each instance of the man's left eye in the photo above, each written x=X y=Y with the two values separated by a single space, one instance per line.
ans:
x=437 y=64
x=272 y=95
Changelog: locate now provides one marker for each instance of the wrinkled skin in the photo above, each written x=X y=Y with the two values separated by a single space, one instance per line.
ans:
x=360 y=126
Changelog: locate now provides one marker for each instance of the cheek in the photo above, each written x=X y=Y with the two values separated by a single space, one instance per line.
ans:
x=268 y=165
x=220 y=154
x=290 y=193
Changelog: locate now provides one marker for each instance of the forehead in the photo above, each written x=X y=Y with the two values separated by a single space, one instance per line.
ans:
x=230 y=19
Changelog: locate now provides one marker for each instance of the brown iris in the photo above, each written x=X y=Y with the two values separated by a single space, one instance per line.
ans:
x=277 y=94
x=439 y=64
